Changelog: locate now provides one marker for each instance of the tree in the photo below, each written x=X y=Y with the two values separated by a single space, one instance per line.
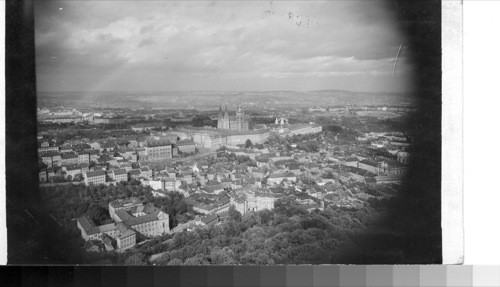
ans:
x=224 y=256
x=234 y=214
x=78 y=177
x=98 y=214
x=135 y=259
x=197 y=260
x=175 y=261
x=248 y=143
x=42 y=165
x=202 y=121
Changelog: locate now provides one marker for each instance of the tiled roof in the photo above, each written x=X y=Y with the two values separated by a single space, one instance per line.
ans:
x=185 y=142
x=121 y=202
x=69 y=155
x=119 y=171
x=370 y=180
x=95 y=173
x=280 y=175
x=153 y=216
x=369 y=162
x=135 y=172
x=81 y=146
x=49 y=153
x=88 y=225
x=209 y=218
x=123 y=215
x=212 y=188
x=107 y=145
x=107 y=227
x=158 y=143
x=238 y=197
x=73 y=167
x=124 y=230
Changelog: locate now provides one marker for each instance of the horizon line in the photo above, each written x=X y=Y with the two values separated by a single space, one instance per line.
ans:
x=227 y=91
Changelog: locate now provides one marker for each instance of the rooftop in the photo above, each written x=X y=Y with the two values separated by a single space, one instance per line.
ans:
x=158 y=143
x=69 y=155
x=123 y=215
x=88 y=225
x=73 y=167
x=281 y=174
x=185 y=142
x=95 y=173
x=120 y=171
x=123 y=202
x=107 y=227
x=135 y=172
x=209 y=218
x=49 y=153
x=124 y=231
x=151 y=215
x=369 y=162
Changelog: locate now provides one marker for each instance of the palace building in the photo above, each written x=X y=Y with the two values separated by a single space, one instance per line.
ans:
x=238 y=122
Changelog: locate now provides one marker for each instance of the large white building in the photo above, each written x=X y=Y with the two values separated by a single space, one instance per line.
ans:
x=94 y=177
x=213 y=138
x=302 y=129
x=247 y=200
x=159 y=150
x=131 y=217
x=120 y=175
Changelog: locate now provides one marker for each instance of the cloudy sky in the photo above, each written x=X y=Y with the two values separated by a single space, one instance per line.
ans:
x=217 y=46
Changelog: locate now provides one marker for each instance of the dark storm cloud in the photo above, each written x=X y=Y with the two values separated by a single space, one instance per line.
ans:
x=249 y=42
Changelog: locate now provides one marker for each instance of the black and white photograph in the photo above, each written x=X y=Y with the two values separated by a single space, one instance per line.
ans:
x=229 y=133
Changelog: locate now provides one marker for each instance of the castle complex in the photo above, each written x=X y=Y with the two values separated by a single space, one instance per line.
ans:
x=234 y=130
x=239 y=122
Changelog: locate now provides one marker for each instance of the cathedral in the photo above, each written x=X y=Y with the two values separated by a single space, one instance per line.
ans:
x=239 y=122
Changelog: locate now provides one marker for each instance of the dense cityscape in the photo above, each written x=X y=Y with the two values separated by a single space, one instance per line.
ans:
x=223 y=186
x=227 y=133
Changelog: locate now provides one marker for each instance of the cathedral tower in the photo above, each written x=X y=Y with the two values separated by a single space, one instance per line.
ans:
x=239 y=118
x=220 y=118
x=226 y=120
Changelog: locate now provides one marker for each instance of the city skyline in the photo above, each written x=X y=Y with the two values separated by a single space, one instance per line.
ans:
x=226 y=133
x=219 y=46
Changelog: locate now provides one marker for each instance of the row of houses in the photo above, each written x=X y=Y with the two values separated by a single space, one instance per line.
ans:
x=97 y=177
x=85 y=153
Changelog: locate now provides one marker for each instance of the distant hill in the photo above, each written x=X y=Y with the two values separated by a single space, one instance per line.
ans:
x=211 y=100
